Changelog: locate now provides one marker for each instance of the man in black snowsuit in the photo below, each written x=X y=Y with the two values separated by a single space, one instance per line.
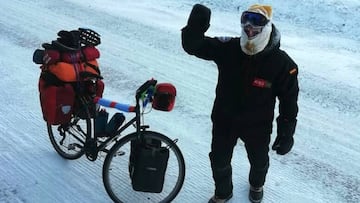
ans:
x=252 y=73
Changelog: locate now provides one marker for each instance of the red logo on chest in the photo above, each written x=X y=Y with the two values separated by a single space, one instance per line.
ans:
x=258 y=82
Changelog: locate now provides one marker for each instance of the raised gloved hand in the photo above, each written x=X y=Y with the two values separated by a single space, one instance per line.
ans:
x=199 y=19
x=285 y=136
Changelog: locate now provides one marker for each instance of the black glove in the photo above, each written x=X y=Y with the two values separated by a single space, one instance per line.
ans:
x=67 y=40
x=199 y=19
x=285 y=136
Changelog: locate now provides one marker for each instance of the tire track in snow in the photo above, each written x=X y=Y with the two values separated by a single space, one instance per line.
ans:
x=347 y=186
x=330 y=94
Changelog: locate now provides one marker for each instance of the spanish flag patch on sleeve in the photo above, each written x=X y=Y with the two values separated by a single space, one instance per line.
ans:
x=293 y=71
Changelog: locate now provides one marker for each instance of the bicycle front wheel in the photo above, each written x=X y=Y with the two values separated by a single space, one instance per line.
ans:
x=116 y=171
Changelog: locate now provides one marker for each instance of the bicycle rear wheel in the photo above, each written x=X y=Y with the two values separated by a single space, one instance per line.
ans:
x=116 y=176
x=68 y=139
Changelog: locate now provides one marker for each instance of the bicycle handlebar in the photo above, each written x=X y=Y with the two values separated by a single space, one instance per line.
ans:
x=125 y=107
x=145 y=87
x=113 y=104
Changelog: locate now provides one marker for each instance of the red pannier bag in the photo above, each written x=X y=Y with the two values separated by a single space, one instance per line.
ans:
x=57 y=102
x=164 y=97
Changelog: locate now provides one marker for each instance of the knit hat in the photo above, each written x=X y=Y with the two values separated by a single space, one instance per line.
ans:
x=264 y=10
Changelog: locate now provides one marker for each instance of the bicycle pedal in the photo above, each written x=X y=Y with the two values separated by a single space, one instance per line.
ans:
x=91 y=156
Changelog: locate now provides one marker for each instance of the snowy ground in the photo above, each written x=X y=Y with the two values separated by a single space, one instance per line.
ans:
x=141 y=40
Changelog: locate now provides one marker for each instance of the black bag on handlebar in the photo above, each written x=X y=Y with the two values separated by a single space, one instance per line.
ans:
x=147 y=166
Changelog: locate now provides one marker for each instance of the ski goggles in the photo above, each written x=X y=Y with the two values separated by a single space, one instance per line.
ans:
x=255 y=19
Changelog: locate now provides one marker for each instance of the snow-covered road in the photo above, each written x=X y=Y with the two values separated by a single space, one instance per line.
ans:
x=141 y=40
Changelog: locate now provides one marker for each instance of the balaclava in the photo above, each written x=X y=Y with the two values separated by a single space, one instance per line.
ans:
x=258 y=43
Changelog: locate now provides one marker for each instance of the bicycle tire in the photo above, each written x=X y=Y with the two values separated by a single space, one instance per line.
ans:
x=116 y=177
x=70 y=145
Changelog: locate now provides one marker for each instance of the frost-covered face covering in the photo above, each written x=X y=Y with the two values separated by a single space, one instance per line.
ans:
x=256 y=28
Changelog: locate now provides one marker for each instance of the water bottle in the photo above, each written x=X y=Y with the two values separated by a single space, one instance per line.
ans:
x=101 y=122
x=115 y=122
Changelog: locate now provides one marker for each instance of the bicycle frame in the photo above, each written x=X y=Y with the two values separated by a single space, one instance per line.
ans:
x=143 y=89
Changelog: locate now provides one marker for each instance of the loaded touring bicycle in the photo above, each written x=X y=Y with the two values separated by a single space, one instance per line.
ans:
x=141 y=166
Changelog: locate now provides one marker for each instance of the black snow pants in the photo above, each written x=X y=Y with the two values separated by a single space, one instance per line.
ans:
x=225 y=134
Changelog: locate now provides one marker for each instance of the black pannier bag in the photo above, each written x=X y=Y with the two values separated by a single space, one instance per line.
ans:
x=147 y=166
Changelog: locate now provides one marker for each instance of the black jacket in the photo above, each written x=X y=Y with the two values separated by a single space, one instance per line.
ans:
x=248 y=85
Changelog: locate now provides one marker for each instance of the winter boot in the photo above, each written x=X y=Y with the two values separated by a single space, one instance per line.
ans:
x=216 y=199
x=256 y=194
